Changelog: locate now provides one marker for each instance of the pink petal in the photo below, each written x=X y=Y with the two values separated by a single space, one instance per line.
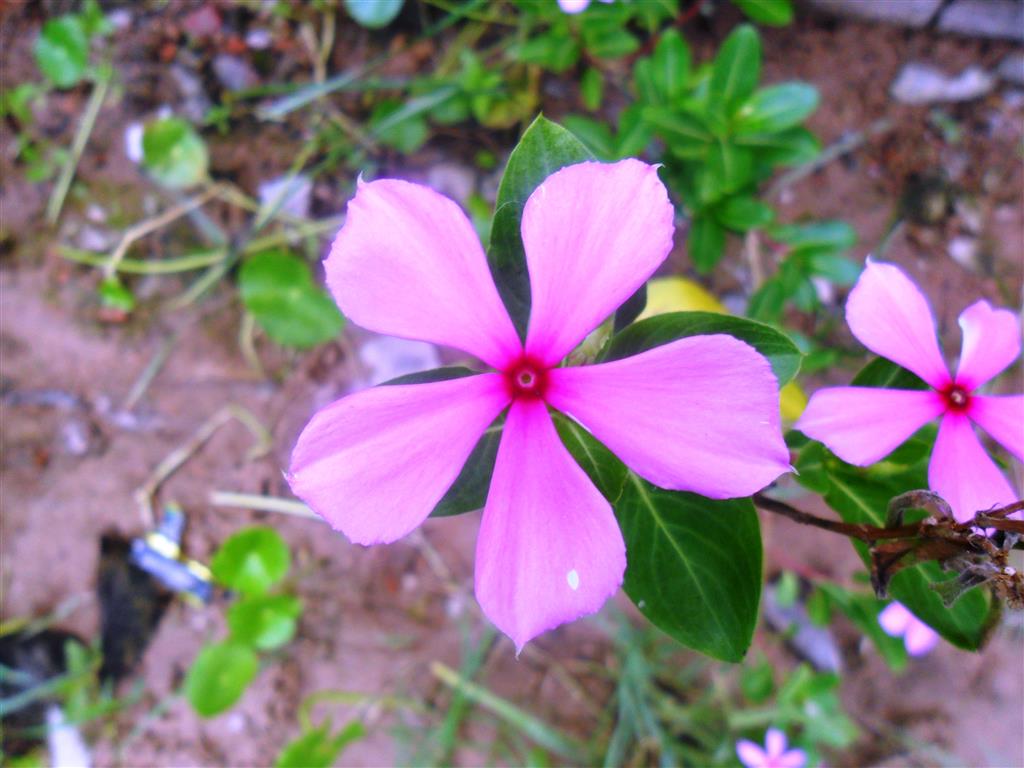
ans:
x=593 y=233
x=549 y=549
x=794 y=758
x=774 y=742
x=408 y=263
x=894 y=619
x=374 y=464
x=750 y=754
x=861 y=425
x=1002 y=416
x=991 y=343
x=962 y=473
x=698 y=414
x=890 y=316
x=573 y=6
x=920 y=638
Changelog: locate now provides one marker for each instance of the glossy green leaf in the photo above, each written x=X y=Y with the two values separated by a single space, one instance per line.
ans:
x=319 y=747
x=219 y=676
x=736 y=70
x=278 y=289
x=744 y=212
x=173 y=153
x=774 y=13
x=670 y=64
x=252 y=560
x=885 y=373
x=62 y=51
x=694 y=566
x=264 y=622
x=794 y=146
x=630 y=309
x=604 y=469
x=781 y=352
x=776 y=108
x=544 y=148
x=705 y=242
x=374 y=14
x=833 y=235
x=469 y=491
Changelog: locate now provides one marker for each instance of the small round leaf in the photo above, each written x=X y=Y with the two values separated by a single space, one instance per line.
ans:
x=219 y=676
x=173 y=153
x=374 y=14
x=252 y=560
x=62 y=51
x=266 y=622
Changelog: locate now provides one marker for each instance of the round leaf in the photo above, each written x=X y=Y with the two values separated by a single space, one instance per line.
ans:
x=62 y=51
x=219 y=676
x=173 y=153
x=374 y=14
x=266 y=622
x=252 y=560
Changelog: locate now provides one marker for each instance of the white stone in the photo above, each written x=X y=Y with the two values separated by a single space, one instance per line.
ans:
x=923 y=84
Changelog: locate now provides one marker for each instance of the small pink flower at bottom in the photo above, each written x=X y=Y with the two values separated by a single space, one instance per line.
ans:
x=773 y=755
x=861 y=425
x=699 y=414
x=898 y=621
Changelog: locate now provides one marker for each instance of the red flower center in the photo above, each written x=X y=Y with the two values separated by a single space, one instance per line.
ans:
x=957 y=398
x=526 y=378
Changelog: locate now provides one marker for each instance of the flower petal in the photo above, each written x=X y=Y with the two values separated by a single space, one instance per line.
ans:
x=962 y=473
x=750 y=754
x=698 y=414
x=593 y=233
x=549 y=549
x=774 y=742
x=890 y=316
x=894 y=619
x=1002 y=416
x=408 y=263
x=375 y=463
x=920 y=638
x=991 y=343
x=794 y=758
x=861 y=425
x=573 y=6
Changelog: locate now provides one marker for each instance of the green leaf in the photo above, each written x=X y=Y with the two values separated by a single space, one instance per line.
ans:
x=604 y=469
x=744 y=212
x=694 y=566
x=862 y=611
x=630 y=309
x=830 y=235
x=406 y=133
x=265 y=622
x=62 y=51
x=544 y=148
x=278 y=289
x=469 y=491
x=173 y=153
x=794 y=146
x=776 y=108
x=595 y=134
x=774 y=13
x=758 y=682
x=608 y=40
x=736 y=70
x=434 y=374
x=661 y=329
x=768 y=301
x=252 y=560
x=318 y=747
x=94 y=22
x=886 y=374
x=552 y=50
x=705 y=242
x=373 y=14
x=684 y=134
x=114 y=294
x=592 y=88
x=731 y=166
x=839 y=269
x=634 y=133
x=219 y=676
x=671 y=66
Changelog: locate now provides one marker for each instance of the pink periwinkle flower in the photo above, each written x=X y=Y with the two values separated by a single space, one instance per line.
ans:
x=773 y=755
x=861 y=425
x=896 y=620
x=697 y=414
x=576 y=6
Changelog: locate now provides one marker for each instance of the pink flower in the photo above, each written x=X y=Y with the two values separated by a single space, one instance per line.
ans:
x=898 y=621
x=576 y=6
x=774 y=754
x=861 y=425
x=697 y=414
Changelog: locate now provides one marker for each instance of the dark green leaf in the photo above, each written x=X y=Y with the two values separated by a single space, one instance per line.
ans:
x=768 y=301
x=731 y=166
x=736 y=70
x=671 y=66
x=434 y=374
x=684 y=134
x=743 y=212
x=758 y=682
x=469 y=491
x=252 y=560
x=173 y=153
x=794 y=146
x=630 y=309
x=553 y=50
x=265 y=622
x=694 y=566
x=374 y=14
x=661 y=329
x=774 y=13
x=831 y=235
x=705 y=242
x=602 y=467
x=318 y=747
x=277 y=288
x=544 y=148
x=776 y=108
x=608 y=41
x=595 y=134
x=62 y=51
x=885 y=373
x=219 y=676
x=592 y=88
x=634 y=132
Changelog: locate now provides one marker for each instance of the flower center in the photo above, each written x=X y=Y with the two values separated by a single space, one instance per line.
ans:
x=526 y=378
x=957 y=398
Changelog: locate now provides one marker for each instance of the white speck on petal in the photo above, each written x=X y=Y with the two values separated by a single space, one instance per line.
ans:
x=574 y=579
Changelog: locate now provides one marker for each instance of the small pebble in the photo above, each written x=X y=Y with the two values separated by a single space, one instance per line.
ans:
x=923 y=84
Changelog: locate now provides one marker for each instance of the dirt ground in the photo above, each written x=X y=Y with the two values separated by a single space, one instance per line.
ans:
x=71 y=462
